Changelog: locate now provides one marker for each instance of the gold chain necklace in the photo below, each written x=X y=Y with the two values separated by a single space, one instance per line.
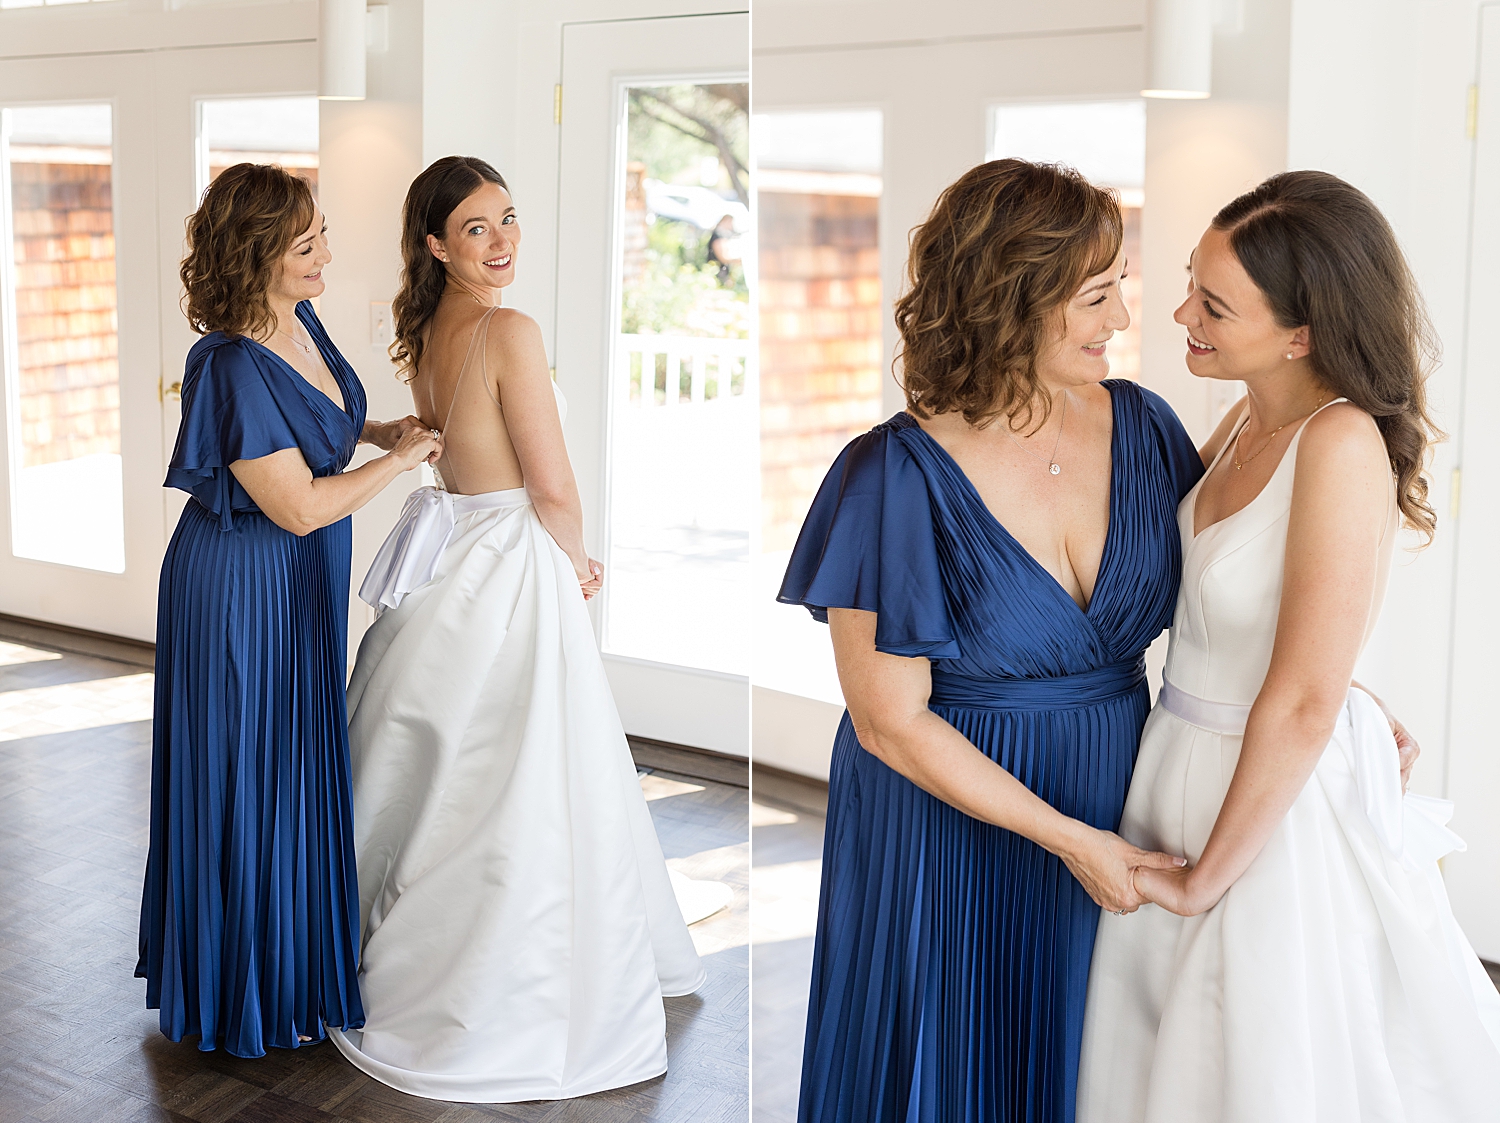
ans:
x=1235 y=456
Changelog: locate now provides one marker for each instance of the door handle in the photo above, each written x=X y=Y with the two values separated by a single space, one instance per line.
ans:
x=165 y=390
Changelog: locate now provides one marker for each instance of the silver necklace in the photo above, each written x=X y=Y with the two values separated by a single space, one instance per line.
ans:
x=1052 y=465
x=305 y=348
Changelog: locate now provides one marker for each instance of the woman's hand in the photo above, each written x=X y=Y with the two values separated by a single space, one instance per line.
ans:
x=1103 y=862
x=1408 y=750
x=387 y=434
x=1182 y=891
x=590 y=578
x=417 y=446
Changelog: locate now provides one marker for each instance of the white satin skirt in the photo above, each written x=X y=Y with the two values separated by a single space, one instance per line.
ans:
x=519 y=927
x=1330 y=984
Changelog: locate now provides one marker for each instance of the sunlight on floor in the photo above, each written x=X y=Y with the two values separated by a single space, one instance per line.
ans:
x=784 y=901
x=12 y=654
x=70 y=706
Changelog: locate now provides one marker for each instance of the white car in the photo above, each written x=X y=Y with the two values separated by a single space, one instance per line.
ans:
x=698 y=205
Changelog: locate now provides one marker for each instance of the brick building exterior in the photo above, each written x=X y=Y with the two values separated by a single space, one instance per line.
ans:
x=820 y=347
x=69 y=376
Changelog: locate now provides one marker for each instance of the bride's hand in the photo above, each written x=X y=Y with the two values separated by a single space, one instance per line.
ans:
x=1407 y=749
x=1176 y=890
x=1103 y=862
x=592 y=580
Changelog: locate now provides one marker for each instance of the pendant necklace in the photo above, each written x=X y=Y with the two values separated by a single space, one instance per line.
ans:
x=305 y=348
x=1052 y=465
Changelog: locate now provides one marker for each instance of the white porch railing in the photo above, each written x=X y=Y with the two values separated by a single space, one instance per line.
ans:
x=664 y=371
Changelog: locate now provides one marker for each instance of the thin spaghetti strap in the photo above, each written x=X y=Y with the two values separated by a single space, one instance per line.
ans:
x=480 y=333
x=484 y=358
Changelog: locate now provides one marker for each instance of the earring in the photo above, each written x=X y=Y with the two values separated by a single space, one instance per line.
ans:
x=1289 y=355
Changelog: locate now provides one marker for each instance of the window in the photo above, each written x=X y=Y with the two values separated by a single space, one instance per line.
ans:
x=261 y=130
x=1106 y=141
x=818 y=185
x=62 y=375
x=682 y=420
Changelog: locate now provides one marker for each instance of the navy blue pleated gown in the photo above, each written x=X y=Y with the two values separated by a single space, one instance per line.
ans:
x=250 y=914
x=952 y=956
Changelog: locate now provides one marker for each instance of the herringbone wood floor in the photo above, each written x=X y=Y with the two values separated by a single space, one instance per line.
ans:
x=77 y=1044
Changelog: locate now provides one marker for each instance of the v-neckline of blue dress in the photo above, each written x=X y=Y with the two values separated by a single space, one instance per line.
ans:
x=309 y=391
x=971 y=493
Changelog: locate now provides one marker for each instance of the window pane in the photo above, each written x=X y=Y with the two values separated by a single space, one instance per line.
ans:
x=1106 y=141
x=818 y=184
x=682 y=414
x=260 y=130
x=61 y=365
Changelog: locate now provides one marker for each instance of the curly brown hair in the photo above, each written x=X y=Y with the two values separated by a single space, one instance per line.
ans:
x=430 y=200
x=1326 y=258
x=1006 y=246
x=248 y=217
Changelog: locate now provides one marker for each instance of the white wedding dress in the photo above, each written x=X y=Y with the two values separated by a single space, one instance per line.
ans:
x=519 y=926
x=1331 y=983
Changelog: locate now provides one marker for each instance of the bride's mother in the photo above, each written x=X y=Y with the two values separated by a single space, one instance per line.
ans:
x=993 y=563
x=250 y=914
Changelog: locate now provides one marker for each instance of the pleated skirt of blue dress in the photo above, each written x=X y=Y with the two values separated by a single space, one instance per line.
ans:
x=952 y=956
x=250 y=913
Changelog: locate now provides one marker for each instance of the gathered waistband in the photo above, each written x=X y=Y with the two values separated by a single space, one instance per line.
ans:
x=1061 y=693
x=409 y=556
x=1216 y=717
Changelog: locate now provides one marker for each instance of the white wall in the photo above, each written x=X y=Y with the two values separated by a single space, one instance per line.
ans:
x=1386 y=110
x=1200 y=155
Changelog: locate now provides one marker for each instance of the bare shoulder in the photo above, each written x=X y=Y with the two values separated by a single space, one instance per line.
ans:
x=513 y=342
x=1341 y=431
x=510 y=327
x=1341 y=448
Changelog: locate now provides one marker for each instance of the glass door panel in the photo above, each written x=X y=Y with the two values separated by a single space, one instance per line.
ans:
x=258 y=130
x=818 y=189
x=62 y=371
x=682 y=417
x=1106 y=141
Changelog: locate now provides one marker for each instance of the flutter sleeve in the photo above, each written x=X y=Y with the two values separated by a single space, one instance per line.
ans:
x=868 y=543
x=228 y=414
x=1177 y=449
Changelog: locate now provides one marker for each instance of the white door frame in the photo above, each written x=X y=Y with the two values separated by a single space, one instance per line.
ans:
x=600 y=60
x=1473 y=758
x=121 y=603
x=153 y=96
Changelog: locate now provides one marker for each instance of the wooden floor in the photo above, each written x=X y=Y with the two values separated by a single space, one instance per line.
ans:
x=77 y=1044
x=786 y=826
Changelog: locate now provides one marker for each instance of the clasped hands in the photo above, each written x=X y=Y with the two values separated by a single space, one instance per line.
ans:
x=1128 y=877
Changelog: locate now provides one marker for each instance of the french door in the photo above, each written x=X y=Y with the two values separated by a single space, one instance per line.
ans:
x=654 y=355
x=99 y=168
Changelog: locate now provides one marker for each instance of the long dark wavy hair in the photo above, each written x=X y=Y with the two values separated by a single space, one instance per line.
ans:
x=246 y=221
x=1006 y=246
x=432 y=198
x=1325 y=257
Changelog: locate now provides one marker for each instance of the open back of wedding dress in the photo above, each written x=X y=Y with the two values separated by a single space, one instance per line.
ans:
x=519 y=927
x=1331 y=983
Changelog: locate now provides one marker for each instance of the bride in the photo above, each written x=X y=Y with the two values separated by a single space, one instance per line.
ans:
x=519 y=926
x=1307 y=967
